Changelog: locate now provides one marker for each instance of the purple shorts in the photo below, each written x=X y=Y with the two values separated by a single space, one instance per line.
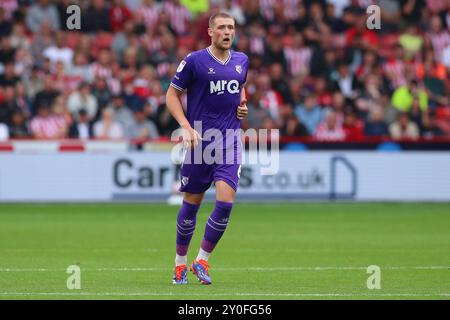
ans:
x=197 y=177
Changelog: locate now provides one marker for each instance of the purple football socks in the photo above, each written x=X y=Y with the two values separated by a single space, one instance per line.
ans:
x=187 y=217
x=216 y=225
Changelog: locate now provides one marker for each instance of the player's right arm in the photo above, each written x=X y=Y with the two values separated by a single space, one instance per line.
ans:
x=182 y=79
x=173 y=102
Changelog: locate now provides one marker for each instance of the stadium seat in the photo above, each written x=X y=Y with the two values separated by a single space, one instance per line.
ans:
x=187 y=42
x=389 y=147
x=388 y=43
x=72 y=39
x=295 y=146
x=443 y=113
x=104 y=40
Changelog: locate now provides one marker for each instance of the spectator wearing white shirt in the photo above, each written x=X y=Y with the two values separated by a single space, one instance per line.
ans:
x=107 y=128
x=404 y=128
x=59 y=52
x=83 y=99
x=4 y=132
x=339 y=6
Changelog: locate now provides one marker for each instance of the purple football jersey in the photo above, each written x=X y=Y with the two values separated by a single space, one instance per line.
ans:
x=213 y=95
x=213 y=88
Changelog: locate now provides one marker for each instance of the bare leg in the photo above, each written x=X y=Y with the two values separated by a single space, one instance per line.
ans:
x=194 y=198
x=224 y=192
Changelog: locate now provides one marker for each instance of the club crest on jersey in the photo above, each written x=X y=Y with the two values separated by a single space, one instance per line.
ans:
x=239 y=68
x=181 y=66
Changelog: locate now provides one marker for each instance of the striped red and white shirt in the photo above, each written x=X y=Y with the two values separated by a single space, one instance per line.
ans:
x=266 y=8
x=298 y=60
x=100 y=71
x=256 y=45
x=150 y=43
x=49 y=127
x=179 y=17
x=324 y=133
x=149 y=15
x=440 y=41
x=395 y=71
x=289 y=8
x=67 y=83
x=272 y=101
x=114 y=85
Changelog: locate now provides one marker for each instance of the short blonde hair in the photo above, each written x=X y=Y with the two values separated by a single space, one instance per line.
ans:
x=221 y=14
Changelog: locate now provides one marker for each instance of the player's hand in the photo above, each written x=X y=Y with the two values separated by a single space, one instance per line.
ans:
x=190 y=137
x=242 y=110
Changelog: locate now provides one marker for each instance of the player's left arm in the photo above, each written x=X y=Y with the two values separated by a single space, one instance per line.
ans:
x=242 y=109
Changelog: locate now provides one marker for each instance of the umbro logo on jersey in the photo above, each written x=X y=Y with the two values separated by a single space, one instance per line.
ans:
x=239 y=68
x=211 y=71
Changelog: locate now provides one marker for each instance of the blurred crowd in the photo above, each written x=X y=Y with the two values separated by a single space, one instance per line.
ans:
x=316 y=69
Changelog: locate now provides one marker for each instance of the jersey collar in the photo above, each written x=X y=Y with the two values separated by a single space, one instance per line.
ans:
x=217 y=59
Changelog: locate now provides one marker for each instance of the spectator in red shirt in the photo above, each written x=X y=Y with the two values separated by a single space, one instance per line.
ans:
x=353 y=127
x=118 y=15
x=324 y=96
x=369 y=38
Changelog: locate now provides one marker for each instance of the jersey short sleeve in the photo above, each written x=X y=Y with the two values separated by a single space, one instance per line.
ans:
x=185 y=74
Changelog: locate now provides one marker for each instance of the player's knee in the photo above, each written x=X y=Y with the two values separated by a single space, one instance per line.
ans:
x=224 y=192
x=193 y=198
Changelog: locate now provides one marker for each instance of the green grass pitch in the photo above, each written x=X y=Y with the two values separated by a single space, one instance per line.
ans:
x=270 y=251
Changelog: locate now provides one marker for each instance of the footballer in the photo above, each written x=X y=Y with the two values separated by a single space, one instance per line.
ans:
x=214 y=79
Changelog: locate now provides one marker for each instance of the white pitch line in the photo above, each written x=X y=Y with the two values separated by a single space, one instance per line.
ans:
x=225 y=269
x=134 y=294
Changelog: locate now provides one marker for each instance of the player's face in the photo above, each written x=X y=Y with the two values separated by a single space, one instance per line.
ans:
x=222 y=33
